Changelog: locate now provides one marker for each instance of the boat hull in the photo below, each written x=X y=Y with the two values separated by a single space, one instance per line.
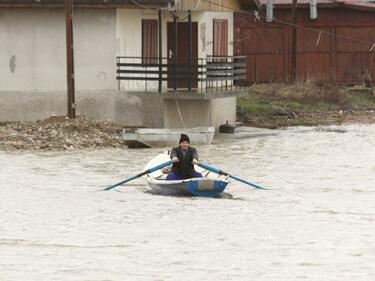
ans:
x=191 y=187
x=210 y=185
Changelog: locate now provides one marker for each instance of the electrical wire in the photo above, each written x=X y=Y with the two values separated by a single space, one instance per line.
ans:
x=257 y=13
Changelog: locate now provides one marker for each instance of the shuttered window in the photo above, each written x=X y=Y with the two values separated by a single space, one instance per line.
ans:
x=149 y=41
x=220 y=38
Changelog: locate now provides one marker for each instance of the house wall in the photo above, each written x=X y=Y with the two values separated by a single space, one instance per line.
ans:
x=129 y=41
x=212 y=5
x=194 y=112
x=130 y=22
x=322 y=57
x=205 y=31
x=33 y=67
x=33 y=52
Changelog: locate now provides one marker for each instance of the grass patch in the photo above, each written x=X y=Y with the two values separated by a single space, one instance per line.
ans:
x=307 y=96
x=303 y=103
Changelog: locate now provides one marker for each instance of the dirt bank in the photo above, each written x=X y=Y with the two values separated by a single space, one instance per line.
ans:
x=60 y=133
x=305 y=104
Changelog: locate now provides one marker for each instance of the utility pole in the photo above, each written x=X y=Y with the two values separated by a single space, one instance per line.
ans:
x=294 y=43
x=70 y=58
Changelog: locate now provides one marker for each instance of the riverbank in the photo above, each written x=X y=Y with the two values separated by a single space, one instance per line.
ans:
x=61 y=133
x=266 y=106
x=305 y=104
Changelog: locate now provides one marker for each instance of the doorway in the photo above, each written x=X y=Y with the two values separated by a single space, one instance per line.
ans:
x=178 y=64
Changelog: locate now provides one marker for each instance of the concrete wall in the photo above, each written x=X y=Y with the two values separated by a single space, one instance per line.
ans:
x=223 y=109
x=128 y=109
x=196 y=113
x=33 y=54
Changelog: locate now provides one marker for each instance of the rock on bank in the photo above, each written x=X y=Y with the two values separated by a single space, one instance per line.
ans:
x=61 y=133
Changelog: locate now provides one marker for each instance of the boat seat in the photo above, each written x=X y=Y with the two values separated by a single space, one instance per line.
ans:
x=166 y=170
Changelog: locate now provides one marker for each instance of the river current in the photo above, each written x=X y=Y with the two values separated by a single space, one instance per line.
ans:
x=317 y=221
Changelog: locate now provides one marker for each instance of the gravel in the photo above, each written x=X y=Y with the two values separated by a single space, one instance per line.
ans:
x=61 y=133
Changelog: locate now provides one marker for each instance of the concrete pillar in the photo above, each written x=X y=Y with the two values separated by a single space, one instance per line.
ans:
x=199 y=112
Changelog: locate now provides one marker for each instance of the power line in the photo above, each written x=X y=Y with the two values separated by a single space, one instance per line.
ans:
x=256 y=14
x=135 y=2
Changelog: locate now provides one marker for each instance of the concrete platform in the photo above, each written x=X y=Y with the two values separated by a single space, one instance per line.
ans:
x=143 y=138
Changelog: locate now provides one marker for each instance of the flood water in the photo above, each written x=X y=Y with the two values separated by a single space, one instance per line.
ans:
x=317 y=222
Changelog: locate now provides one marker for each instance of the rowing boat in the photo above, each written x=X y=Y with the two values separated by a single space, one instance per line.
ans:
x=211 y=185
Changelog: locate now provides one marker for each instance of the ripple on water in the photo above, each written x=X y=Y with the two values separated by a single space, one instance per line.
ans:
x=316 y=222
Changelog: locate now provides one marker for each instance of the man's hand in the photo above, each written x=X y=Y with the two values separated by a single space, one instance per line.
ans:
x=195 y=162
x=175 y=160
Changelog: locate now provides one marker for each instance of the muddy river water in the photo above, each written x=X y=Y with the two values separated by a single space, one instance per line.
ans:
x=316 y=223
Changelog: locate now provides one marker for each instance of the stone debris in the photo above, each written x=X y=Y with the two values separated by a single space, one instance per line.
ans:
x=61 y=133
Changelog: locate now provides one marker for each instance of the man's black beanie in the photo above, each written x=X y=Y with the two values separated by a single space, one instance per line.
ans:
x=184 y=138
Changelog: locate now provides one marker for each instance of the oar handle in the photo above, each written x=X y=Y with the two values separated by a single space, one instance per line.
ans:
x=151 y=170
x=158 y=167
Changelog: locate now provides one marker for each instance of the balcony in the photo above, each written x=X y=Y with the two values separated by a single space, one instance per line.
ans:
x=201 y=78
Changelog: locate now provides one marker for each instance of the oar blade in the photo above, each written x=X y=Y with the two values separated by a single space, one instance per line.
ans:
x=248 y=183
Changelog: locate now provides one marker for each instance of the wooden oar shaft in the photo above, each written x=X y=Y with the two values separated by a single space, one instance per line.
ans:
x=127 y=180
x=158 y=167
x=220 y=172
x=247 y=182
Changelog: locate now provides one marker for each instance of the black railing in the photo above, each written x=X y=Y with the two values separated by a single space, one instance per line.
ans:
x=202 y=74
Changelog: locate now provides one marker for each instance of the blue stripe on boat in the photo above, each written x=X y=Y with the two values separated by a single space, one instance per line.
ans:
x=200 y=188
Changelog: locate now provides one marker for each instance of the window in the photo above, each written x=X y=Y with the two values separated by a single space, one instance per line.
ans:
x=220 y=46
x=149 y=41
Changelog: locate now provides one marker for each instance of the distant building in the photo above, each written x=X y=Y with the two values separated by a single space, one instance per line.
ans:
x=346 y=56
x=130 y=56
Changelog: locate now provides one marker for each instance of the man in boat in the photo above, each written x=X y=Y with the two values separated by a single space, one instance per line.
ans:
x=184 y=157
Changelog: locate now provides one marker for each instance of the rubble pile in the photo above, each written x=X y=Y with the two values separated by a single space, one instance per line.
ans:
x=61 y=133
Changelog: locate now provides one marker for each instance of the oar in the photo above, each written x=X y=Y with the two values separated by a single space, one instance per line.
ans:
x=158 y=167
x=217 y=171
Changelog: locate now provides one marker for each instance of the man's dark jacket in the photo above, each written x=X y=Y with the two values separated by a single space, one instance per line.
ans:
x=184 y=167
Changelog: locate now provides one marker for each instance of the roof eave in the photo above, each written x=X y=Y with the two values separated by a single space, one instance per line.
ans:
x=289 y=6
x=359 y=6
x=77 y=4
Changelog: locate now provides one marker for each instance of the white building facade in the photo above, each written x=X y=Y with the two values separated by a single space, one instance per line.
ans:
x=33 y=62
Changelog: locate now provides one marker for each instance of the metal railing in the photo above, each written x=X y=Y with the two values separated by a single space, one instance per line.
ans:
x=199 y=75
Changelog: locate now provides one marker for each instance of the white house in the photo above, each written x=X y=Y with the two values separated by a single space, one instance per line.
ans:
x=136 y=62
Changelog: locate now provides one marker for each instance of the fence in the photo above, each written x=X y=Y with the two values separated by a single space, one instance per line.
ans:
x=198 y=75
